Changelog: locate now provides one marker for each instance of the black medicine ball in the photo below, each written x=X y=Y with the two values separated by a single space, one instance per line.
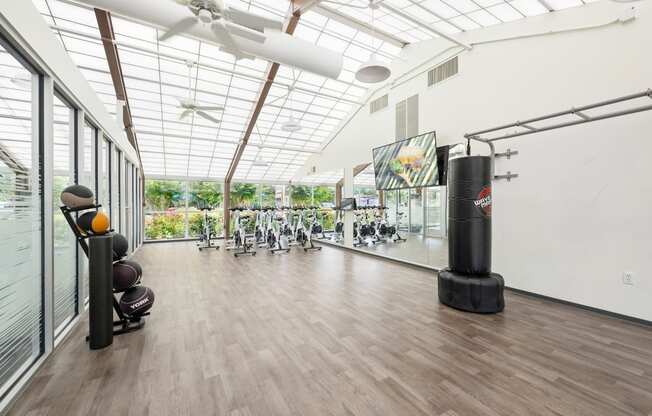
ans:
x=76 y=196
x=125 y=276
x=120 y=246
x=136 y=301
x=135 y=265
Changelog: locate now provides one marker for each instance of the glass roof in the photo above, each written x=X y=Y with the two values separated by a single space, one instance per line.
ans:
x=156 y=77
x=323 y=178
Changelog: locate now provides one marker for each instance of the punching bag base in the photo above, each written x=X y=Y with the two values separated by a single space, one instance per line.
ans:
x=471 y=293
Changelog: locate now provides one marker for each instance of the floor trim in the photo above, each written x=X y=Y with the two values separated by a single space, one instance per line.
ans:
x=605 y=312
x=630 y=319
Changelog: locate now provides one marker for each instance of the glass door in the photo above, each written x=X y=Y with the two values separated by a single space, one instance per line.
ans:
x=436 y=212
x=416 y=210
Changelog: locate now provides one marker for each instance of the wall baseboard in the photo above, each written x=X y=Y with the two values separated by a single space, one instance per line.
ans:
x=630 y=319
x=610 y=314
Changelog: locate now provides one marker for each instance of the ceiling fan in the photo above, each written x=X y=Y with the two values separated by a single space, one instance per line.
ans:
x=190 y=106
x=223 y=21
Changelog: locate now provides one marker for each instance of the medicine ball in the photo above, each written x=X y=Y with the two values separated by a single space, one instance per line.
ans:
x=135 y=265
x=125 y=276
x=136 y=301
x=120 y=246
x=93 y=222
x=76 y=196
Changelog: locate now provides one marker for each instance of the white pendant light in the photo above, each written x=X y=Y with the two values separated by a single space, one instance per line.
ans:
x=291 y=125
x=373 y=71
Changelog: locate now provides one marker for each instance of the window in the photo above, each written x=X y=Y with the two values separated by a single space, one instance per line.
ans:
x=87 y=177
x=300 y=196
x=104 y=161
x=115 y=189
x=205 y=195
x=21 y=221
x=165 y=210
x=65 y=244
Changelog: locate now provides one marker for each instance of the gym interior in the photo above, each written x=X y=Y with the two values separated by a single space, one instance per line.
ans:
x=286 y=207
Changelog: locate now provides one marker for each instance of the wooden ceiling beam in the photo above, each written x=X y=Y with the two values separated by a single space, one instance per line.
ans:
x=105 y=25
x=290 y=27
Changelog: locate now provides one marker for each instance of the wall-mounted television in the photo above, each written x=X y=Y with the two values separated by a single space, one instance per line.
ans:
x=409 y=163
x=348 y=204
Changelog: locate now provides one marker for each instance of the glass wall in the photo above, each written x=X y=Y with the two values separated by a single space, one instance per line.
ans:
x=65 y=244
x=165 y=207
x=21 y=222
x=46 y=144
x=300 y=195
x=173 y=209
x=204 y=195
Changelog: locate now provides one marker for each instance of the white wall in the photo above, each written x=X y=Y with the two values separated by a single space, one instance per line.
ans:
x=24 y=22
x=579 y=214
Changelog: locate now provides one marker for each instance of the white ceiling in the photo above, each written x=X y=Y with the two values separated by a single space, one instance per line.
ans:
x=155 y=73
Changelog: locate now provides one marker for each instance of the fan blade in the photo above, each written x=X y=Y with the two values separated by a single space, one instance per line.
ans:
x=209 y=108
x=245 y=32
x=223 y=36
x=185 y=114
x=208 y=117
x=252 y=21
x=180 y=27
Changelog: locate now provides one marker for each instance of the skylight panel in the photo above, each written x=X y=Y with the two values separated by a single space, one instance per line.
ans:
x=564 y=4
x=529 y=7
x=505 y=12
x=436 y=10
x=484 y=18
x=465 y=23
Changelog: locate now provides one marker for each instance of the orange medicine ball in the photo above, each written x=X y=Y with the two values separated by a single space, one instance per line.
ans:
x=94 y=223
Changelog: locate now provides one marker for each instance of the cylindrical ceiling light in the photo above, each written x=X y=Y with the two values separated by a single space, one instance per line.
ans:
x=373 y=71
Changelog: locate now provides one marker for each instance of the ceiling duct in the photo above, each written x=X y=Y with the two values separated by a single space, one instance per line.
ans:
x=276 y=47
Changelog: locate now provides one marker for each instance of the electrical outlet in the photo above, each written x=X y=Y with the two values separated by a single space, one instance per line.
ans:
x=628 y=278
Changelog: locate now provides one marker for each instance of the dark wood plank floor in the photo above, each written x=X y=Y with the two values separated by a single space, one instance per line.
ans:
x=339 y=333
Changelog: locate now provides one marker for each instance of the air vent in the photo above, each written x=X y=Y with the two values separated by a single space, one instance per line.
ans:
x=378 y=104
x=443 y=71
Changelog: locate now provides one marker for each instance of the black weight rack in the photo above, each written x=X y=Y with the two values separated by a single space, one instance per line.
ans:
x=125 y=323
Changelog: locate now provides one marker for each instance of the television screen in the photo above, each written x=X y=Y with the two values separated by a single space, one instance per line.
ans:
x=409 y=163
x=348 y=204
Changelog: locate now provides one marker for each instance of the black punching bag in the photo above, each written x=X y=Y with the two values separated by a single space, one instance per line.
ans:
x=469 y=215
x=468 y=284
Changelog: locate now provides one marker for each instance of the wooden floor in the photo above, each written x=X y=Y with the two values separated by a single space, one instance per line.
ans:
x=340 y=333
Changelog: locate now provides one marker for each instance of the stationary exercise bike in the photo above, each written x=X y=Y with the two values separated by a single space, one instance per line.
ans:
x=240 y=244
x=207 y=236
x=314 y=228
x=278 y=239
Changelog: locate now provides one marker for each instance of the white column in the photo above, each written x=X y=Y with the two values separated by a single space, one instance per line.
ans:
x=349 y=216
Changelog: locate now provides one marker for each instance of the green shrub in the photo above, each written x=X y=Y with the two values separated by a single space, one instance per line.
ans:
x=164 y=226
